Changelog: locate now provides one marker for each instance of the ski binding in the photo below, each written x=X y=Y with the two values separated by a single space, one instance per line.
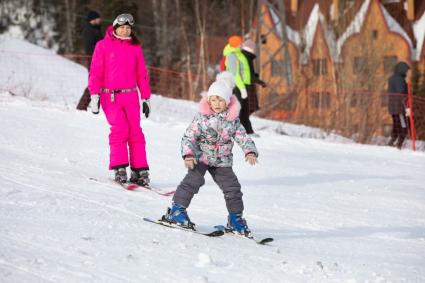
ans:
x=214 y=233
x=226 y=230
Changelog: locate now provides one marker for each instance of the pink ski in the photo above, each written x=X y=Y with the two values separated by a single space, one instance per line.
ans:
x=133 y=186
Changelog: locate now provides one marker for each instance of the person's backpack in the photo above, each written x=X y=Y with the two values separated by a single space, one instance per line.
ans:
x=223 y=64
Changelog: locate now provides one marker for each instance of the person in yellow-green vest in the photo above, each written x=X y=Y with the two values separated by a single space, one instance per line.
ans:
x=237 y=64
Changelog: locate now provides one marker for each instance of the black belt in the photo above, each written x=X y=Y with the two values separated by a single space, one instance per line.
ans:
x=113 y=91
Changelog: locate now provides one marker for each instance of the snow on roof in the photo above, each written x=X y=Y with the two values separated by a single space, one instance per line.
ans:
x=330 y=40
x=419 y=31
x=335 y=45
x=395 y=27
x=354 y=27
x=292 y=35
x=308 y=33
x=357 y=23
x=310 y=30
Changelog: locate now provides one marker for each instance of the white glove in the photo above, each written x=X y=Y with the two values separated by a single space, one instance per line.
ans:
x=408 y=112
x=244 y=94
x=94 y=103
x=251 y=158
x=190 y=162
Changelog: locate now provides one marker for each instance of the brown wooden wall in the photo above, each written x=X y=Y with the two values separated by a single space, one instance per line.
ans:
x=349 y=96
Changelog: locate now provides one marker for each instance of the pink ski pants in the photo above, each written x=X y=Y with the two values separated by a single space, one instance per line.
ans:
x=126 y=136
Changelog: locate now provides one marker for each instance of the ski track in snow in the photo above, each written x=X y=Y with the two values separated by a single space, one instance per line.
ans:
x=338 y=212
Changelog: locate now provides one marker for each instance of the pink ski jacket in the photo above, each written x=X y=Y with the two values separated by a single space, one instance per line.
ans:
x=118 y=64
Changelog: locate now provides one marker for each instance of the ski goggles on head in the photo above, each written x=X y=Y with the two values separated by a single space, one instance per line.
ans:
x=124 y=19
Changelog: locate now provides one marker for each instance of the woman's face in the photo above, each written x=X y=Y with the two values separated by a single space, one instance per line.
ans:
x=123 y=31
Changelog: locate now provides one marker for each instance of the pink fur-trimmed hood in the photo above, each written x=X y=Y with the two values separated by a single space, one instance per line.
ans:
x=234 y=107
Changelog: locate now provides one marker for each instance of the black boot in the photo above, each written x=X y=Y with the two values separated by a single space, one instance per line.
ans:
x=140 y=177
x=400 y=144
x=120 y=175
x=391 y=142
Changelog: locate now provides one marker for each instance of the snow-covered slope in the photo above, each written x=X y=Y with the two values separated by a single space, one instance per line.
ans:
x=38 y=73
x=338 y=211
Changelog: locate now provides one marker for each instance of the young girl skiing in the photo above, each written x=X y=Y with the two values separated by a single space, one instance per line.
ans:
x=117 y=71
x=207 y=145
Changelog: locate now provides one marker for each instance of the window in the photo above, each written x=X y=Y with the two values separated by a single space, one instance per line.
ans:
x=326 y=100
x=359 y=65
x=320 y=100
x=355 y=128
x=277 y=68
x=389 y=63
x=320 y=67
x=354 y=101
x=374 y=34
x=315 y=100
x=263 y=39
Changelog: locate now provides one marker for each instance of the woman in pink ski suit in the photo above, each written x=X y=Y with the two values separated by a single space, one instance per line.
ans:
x=117 y=71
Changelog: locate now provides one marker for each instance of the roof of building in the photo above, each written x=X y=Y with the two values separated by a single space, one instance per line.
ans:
x=399 y=14
x=419 y=9
x=302 y=25
x=419 y=31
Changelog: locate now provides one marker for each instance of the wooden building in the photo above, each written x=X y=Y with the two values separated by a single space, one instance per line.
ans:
x=341 y=58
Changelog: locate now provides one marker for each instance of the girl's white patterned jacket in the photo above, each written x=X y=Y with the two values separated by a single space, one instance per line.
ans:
x=210 y=136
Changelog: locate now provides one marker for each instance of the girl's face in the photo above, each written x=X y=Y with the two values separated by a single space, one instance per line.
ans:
x=217 y=103
x=123 y=31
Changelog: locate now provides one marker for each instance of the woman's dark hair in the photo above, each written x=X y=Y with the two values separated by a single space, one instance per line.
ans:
x=134 y=39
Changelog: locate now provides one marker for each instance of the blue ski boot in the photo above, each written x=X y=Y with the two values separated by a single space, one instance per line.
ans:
x=238 y=225
x=177 y=214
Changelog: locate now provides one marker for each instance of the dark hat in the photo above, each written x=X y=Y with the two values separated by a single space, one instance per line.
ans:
x=92 y=15
x=401 y=68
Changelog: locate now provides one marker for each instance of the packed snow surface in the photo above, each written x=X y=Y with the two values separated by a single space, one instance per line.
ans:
x=338 y=211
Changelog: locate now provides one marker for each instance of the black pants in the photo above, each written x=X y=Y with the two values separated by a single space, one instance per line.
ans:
x=224 y=177
x=244 y=114
x=85 y=99
x=400 y=129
